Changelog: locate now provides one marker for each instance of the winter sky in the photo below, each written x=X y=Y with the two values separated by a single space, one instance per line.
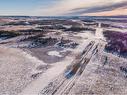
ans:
x=63 y=7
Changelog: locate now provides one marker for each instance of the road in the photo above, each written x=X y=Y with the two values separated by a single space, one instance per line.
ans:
x=57 y=80
x=63 y=83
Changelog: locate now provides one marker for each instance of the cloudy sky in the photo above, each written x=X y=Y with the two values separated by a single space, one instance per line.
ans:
x=63 y=7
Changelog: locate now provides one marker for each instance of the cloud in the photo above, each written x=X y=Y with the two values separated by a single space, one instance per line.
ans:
x=119 y=11
x=97 y=9
x=80 y=7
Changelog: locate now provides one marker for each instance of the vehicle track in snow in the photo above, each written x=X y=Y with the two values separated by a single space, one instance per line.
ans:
x=65 y=81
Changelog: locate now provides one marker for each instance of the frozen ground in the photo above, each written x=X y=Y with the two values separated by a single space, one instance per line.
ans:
x=32 y=65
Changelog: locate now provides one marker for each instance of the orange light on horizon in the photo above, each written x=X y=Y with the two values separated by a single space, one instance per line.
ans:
x=120 y=11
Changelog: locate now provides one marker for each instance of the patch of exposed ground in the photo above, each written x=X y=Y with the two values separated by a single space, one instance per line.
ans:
x=42 y=54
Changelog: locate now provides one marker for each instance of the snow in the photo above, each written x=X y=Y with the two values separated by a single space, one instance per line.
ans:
x=84 y=41
x=35 y=87
x=99 y=32
x=34 y=59
x=57 y=68
x=54 y=53
x=16 y=68
x=23 y=58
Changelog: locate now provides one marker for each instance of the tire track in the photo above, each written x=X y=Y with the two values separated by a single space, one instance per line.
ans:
x=85 y=61
x=63 y=84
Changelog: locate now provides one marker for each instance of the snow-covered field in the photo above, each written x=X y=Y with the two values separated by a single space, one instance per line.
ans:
x=19 y=73
x=57 y=69
x=46 y=64
x=16 y=70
